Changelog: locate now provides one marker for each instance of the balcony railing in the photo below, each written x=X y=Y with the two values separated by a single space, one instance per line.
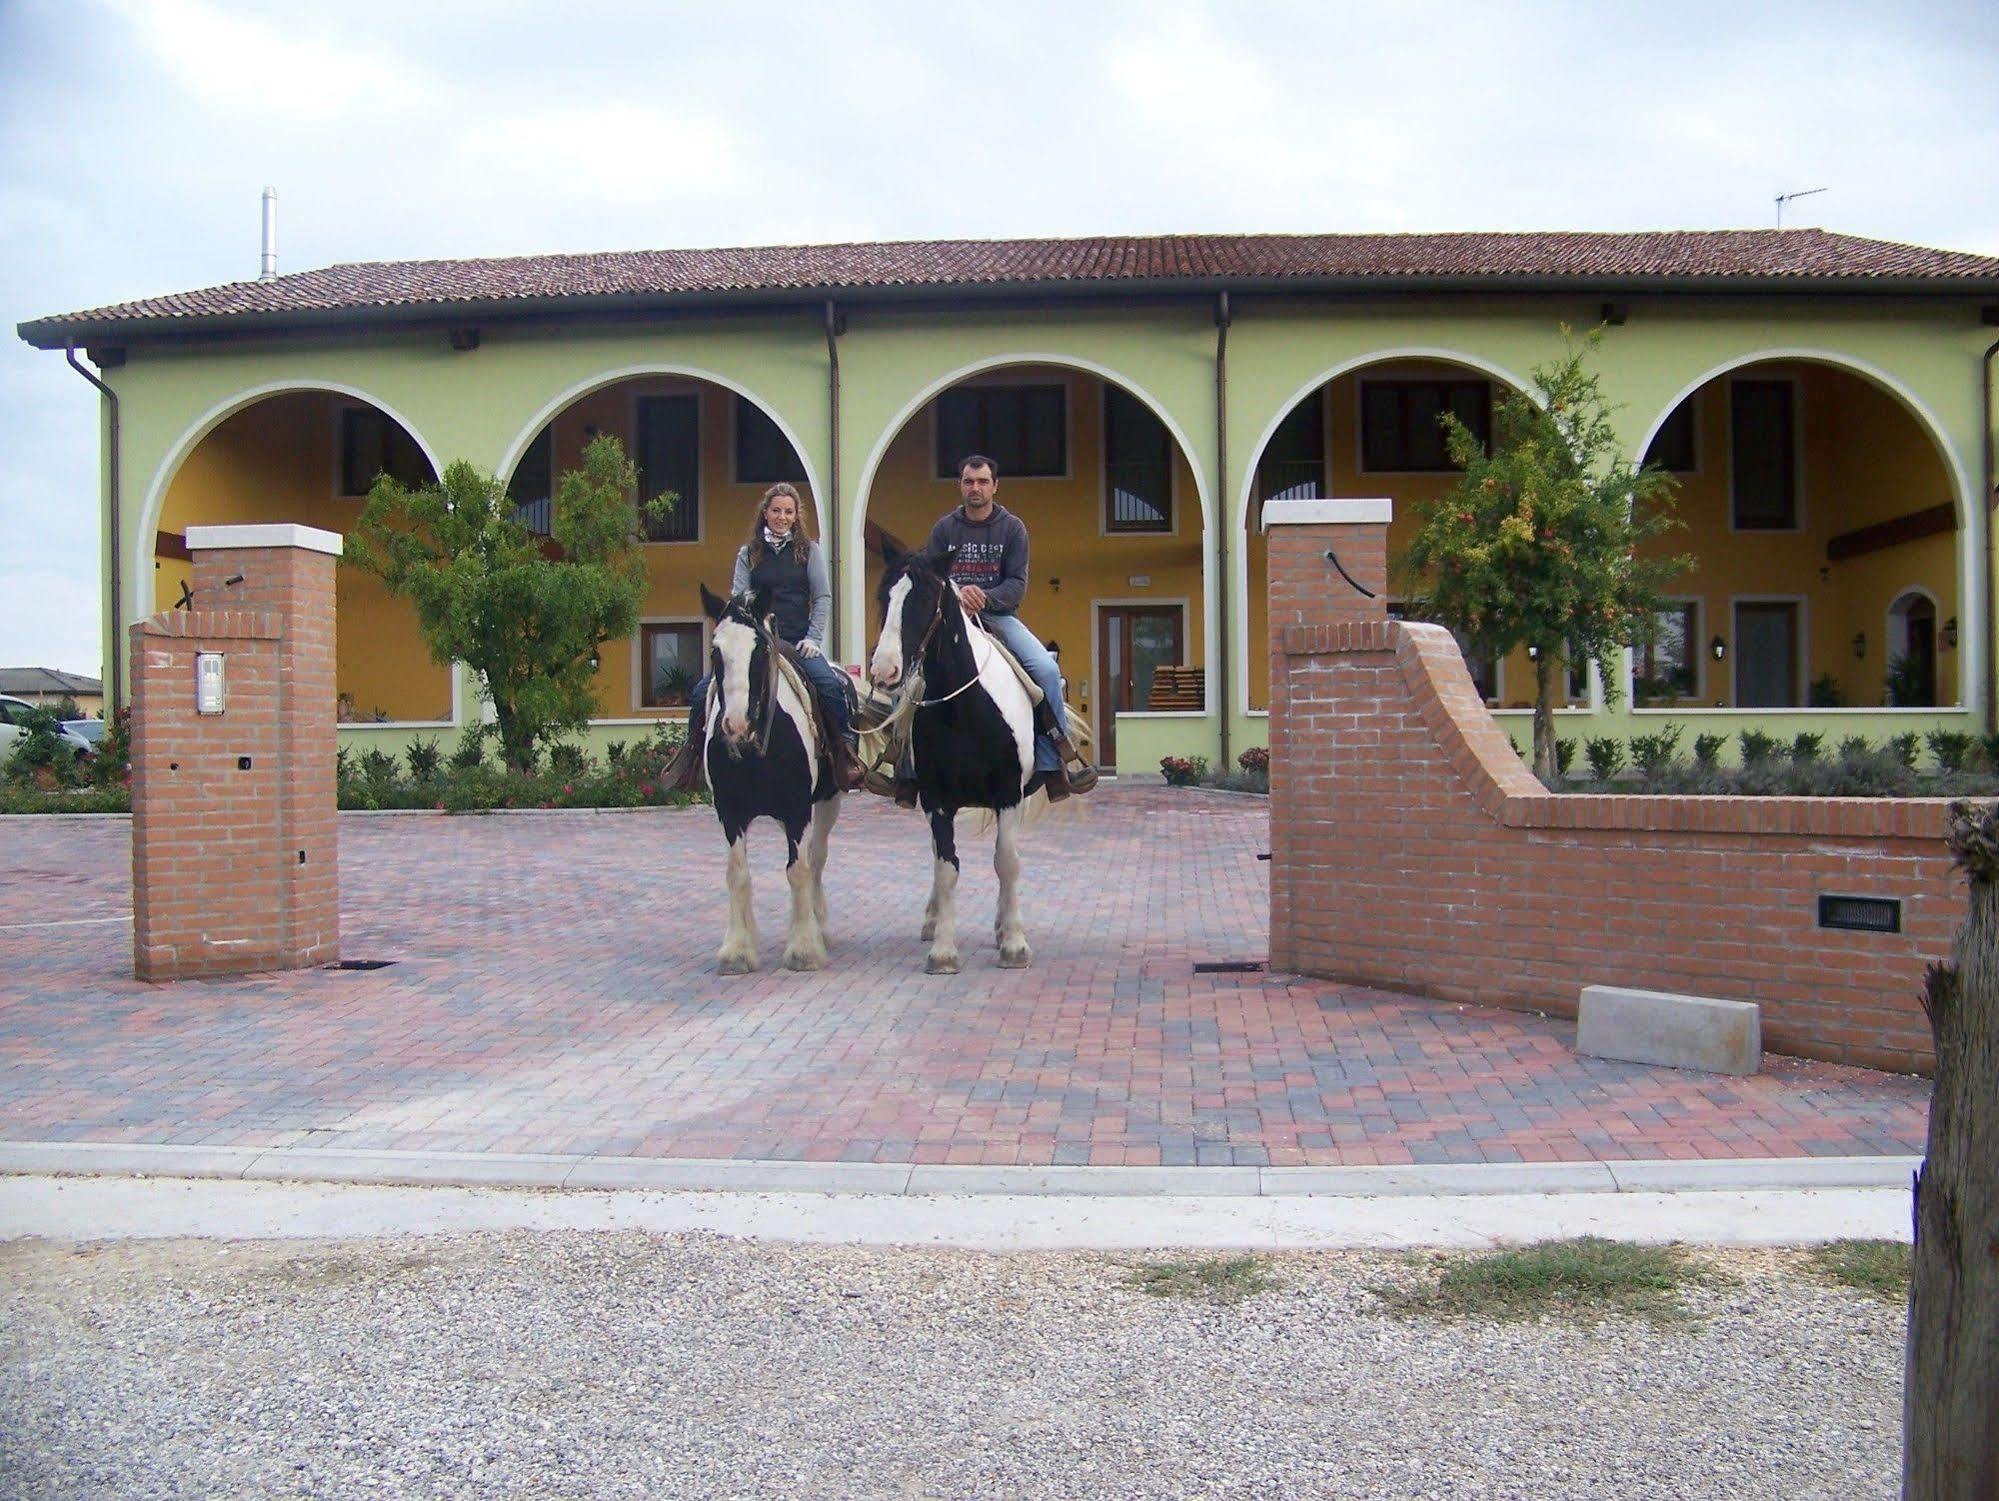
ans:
x=1290 y=479
x=1141 y=496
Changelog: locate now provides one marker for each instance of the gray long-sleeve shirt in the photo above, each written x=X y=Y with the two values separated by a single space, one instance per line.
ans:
x=991 y=553
x=817 y=584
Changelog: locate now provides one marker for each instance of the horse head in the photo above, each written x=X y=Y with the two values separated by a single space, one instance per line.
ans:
x=916 y=598
x=743 y=665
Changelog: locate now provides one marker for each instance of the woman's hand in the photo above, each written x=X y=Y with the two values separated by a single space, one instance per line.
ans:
x=809 y=648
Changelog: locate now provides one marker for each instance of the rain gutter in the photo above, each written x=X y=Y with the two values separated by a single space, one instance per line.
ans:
x=829 y=504
x=1221 y=520
x=114 y=685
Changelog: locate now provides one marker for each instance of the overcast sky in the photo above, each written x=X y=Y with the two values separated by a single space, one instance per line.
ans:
x=136 y=135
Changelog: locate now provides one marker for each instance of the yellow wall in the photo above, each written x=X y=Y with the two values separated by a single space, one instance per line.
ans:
x=276 y=461
x=1864 y=460
x=1064 y=519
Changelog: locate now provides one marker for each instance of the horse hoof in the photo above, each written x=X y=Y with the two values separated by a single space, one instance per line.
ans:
x=1018 y=958
x=941 y=964
x=801 y=959
x=736 y=964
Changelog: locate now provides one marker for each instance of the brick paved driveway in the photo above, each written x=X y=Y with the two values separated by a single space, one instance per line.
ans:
x=553 y=990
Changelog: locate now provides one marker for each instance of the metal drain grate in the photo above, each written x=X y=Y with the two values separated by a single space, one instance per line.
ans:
x=1229 y=967
x=361 y=964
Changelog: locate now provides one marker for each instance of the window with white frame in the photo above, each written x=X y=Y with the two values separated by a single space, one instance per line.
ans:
x=670 y=662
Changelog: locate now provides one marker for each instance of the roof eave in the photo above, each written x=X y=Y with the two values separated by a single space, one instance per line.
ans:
x=57 y=333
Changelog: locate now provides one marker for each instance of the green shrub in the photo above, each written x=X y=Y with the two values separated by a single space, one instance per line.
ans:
x=1988 y=747
x=1825 y=693
x=614 y=754
x=1905 y=683
x=1656 y=753
x=567 y=760
x=1903 y=748
x=1183 y=771
x=40 y=756
x=1707 y=749
x=1757 y=747
x=1606 y=757
x=1952 y=748
x=1807 y=747
x=424 y=757
x=471 y=748
x=1854 y=745
x=1565 y=755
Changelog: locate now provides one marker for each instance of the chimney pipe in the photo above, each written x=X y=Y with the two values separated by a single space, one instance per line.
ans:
x=270 y=268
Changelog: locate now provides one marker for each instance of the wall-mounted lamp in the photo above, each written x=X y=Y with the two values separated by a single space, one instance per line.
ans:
x=1533 y=653
x=1860 y=644
x=1949 y=634
x=594 y=663
x=1717 y=648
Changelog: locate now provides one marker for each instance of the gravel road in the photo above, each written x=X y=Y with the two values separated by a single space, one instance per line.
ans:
x=599 y=1365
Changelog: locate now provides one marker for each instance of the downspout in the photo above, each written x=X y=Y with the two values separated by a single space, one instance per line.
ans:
x=1991 y=555
x=1222 y=511
x=830 y=505
x=114 y=678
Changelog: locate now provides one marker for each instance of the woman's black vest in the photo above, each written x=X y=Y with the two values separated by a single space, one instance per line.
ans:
x=781 y=576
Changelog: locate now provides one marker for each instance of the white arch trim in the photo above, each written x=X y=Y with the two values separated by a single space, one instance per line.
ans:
x=1971 y=517
x=853 y=552
x=596 y=381
x=1239 y=570
x=139 y=601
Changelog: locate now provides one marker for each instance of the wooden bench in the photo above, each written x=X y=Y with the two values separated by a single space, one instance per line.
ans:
x=1177 y=688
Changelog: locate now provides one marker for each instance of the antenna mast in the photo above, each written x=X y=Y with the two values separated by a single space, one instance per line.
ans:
x=1784 y=198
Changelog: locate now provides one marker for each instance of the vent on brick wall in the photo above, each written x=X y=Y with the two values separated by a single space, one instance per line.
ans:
x=1862 y=914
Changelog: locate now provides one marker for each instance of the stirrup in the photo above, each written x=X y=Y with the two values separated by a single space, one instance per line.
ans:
x=1079 y=774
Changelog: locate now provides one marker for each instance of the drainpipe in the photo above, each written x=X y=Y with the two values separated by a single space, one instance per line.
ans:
x=1991 y=493
x=114 y=686
x=1222 y=512
x=830 y=503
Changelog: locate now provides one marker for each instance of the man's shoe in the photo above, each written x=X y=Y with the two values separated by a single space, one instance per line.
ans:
x=1055 y=783
x=848 y=773
x=1079 y=774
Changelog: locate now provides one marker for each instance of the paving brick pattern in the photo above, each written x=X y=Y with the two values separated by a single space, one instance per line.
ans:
x=553 y=990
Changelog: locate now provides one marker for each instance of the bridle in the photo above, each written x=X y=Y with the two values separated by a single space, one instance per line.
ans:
x=937 y=619
x=759 y=739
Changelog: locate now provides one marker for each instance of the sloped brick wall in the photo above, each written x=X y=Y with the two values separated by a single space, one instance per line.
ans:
x=1412 y=849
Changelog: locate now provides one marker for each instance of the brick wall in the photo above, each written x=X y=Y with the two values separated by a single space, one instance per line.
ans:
x=234 y=853
x=1411 y=848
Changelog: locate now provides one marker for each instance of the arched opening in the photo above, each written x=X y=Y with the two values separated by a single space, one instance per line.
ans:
x=1114 y=514
x=717 y=449
x=1823 y=524
x=1372 y=429
x=309 y=457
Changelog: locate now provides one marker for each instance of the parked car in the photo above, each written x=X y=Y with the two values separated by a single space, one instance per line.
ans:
x=86 y=729
x=14 y=714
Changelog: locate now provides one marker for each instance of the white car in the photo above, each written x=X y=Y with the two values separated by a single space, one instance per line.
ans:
x=14 y=713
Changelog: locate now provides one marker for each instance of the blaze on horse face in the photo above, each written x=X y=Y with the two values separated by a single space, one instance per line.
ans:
x=739 y=661
x=909 y=595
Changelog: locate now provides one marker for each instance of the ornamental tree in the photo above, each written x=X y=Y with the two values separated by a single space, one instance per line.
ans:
x=527 y=616
x=1539 y=543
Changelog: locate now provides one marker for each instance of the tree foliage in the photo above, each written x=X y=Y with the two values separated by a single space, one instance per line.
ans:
x=527 y=616
x=1540 y=543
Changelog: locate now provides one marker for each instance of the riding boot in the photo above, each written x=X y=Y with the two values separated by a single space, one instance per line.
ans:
x=848 y=773
x=1080 y=777
x=683 y=772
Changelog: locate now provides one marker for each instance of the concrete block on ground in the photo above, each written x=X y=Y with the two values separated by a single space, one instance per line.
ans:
x=1677 y=1031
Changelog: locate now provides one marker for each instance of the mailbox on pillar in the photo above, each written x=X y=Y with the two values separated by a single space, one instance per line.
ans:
x=235 y=865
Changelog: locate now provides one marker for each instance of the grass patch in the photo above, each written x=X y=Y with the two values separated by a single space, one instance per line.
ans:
x=1582 y=1280
x=1213 y=1279
x=1878 y=1268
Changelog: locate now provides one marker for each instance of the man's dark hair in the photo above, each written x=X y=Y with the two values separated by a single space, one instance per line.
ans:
x=973 y=461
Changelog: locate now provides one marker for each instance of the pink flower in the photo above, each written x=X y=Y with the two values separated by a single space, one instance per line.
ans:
x=645 y=789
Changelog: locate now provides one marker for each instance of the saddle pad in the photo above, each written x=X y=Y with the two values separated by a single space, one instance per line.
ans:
x=1034 y=693
x=802 y=686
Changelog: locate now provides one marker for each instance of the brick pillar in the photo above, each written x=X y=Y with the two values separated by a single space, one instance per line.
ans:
x=1308 y=599
x=235 y=862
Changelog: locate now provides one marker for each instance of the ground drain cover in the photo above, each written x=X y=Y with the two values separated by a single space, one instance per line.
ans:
x=1229 y=967
x=362 y=964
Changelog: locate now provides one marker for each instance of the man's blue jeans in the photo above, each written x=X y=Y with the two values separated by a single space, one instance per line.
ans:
x=1033 y=656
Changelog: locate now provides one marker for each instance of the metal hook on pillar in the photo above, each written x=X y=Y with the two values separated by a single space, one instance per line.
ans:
x=1360 y=588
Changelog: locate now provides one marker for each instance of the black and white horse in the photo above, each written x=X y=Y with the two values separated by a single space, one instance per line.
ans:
x=763 y=762
x=972 y=734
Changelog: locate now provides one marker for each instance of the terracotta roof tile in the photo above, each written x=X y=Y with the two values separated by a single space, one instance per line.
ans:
x=1768 y=256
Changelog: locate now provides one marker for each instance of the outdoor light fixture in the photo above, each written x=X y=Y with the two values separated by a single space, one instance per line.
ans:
x=1717 y=648
x=1533 y=653
x=1949 y=633
x=1860 y=643
x=594 y=663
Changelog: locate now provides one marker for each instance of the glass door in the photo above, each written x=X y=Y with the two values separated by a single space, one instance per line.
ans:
x=1133 y=642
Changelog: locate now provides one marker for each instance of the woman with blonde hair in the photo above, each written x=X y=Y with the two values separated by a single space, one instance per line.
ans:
x=782 y=563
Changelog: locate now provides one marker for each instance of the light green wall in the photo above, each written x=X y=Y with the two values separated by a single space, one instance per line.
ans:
x=484 y=405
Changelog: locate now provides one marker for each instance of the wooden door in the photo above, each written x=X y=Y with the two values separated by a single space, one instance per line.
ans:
x=1133 y=641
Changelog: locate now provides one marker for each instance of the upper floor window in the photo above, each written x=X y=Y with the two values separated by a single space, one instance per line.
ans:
x=1025 y=429
x=763 y=454
x=669 y=458
x=1293 y=466
x=1138 y=466
x=1673 y=445
x=532 y=487
x=1763 y=455
x=1400 y=427
x=373 y=443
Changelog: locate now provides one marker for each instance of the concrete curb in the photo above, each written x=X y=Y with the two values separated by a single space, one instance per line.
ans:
x=724 y=1175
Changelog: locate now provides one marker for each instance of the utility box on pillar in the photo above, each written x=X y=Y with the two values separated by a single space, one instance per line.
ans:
x=235 y=860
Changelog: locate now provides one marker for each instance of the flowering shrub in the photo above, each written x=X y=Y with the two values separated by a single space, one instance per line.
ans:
x=1183 y=771
x=1256 y=758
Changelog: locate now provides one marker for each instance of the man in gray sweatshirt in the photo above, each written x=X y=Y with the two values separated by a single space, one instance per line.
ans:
x=990 y=570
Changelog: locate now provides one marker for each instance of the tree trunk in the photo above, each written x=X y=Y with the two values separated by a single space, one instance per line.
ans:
x=1950 y=1398
x=516 y=740
x=1545 y=666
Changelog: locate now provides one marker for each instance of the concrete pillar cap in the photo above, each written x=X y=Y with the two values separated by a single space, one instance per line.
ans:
x=310 y=538
x=1323 y=512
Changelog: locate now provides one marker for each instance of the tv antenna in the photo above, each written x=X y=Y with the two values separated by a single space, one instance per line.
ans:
x=1784 y=198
